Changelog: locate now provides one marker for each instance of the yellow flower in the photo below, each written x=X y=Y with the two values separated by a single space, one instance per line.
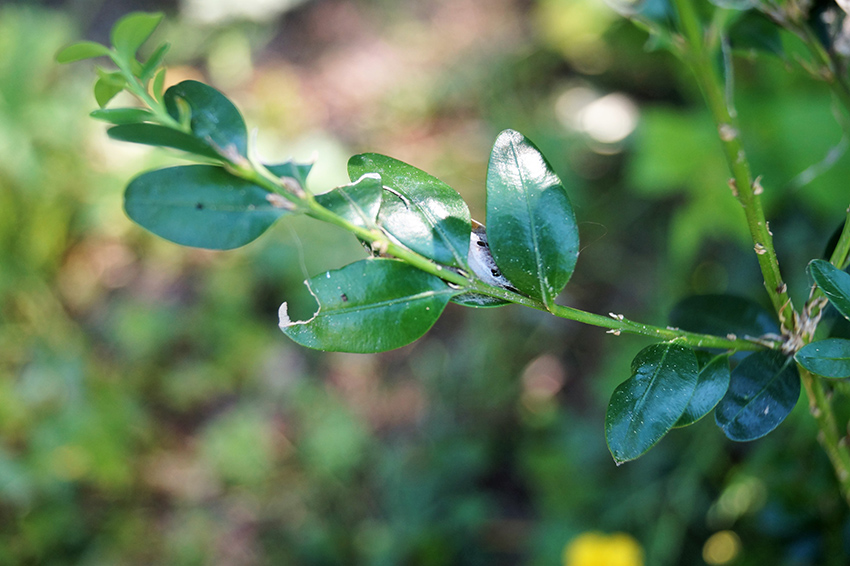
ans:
x=597 y=549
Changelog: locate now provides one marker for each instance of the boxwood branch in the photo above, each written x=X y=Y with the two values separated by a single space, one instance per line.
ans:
x=745 y=188
x=616 y=324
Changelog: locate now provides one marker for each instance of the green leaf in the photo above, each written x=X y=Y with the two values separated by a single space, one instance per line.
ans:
x=122 y=115
x=131 y=31
x=107 y=86
x=657 y=17
x=531 y=225
x=358 y=202
x=754 y=32
x=162 y=136
x=372 y=305
x=722 y=315
x=647 y=405
x=834 y=283
x=152 y=64
x=202 y=206
x=763 y=389
x=214 y=119
x=712 y=383
x=293 y=170
x=158 y=85
x=828 y=358
x=81 y=50
x=420 y=211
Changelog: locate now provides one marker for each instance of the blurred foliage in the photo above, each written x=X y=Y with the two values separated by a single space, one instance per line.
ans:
x=151 y=412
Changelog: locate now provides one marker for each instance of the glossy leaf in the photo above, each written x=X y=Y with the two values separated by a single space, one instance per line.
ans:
x=292 y=169
x=358 y=202
x=131 y=31
x=828 y=358
x=81 y=50
x=214 y=119
x=201 y=206
x=372 y=305
x=834 y=283
x=721 y=315
x=712 y=383
x=531 y=225
x=122 y=115
x=763 y=389
x=647 y=405
x=420 y=211
x=162 y=136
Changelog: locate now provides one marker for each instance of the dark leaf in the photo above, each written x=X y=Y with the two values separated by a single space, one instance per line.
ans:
x=712 y=383
x=214 y=119
x=531 y=225
x=763 y=389
x=828 y=358
x=200 y=205
x=162 y=136
x=754 y=32
x=721 y=315
x=647 y=405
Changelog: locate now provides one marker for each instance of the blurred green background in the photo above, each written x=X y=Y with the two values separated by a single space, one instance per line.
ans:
x=152 y=413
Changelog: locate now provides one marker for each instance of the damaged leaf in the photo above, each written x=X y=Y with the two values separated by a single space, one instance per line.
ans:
x=372 y=305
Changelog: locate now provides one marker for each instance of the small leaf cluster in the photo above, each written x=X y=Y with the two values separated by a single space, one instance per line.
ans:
x=427 y=251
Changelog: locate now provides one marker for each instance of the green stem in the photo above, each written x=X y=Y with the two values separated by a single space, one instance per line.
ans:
x=135 y=86
x=746 y=189
x=833 y=443
x=748 y=192
x=616 y=324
